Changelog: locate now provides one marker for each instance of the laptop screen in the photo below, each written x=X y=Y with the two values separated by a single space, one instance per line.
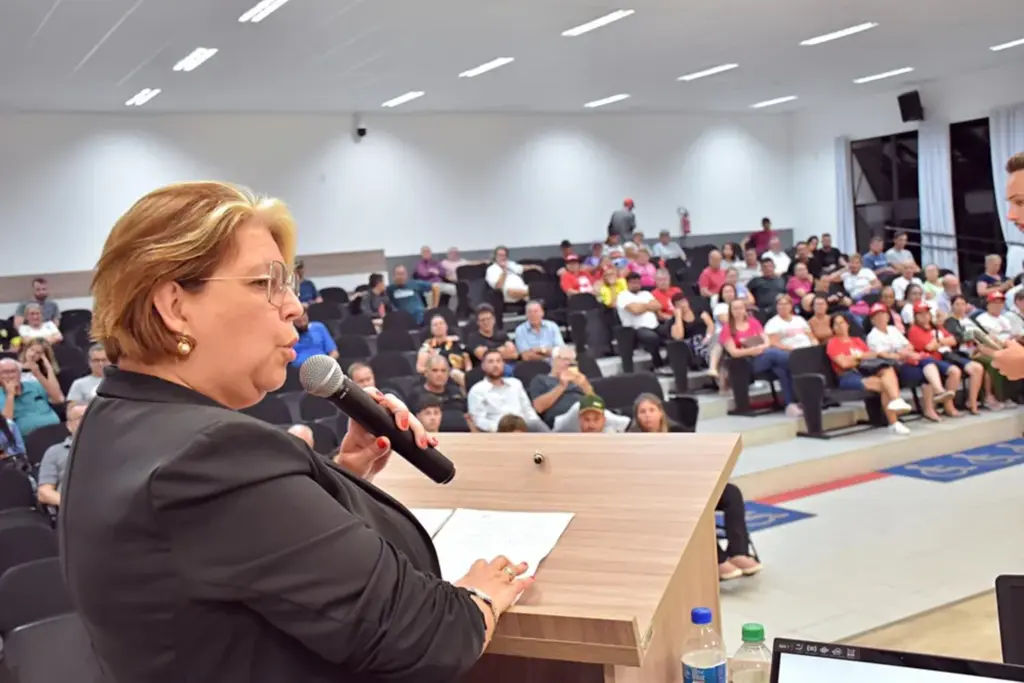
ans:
x=802 y=662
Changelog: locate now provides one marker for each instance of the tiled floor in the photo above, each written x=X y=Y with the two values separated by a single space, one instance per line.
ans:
x=879 y=552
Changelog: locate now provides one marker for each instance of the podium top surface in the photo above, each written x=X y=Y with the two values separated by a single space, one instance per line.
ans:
x=637 y=500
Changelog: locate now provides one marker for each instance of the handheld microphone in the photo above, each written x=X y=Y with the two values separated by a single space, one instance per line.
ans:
x=322 y=376
x=976 y=334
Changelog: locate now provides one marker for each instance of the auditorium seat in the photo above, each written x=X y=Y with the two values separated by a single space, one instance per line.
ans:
x=620 y=393
x=16 y=489
x=41 y=439
x=526 y=370
x=387 y=364
x=31 y=592
x=334 y=295
x=358 y=325
x=271 y=409
x=399 y=320
x=26 y=543
x=814 y=382
x=325 y=311
x=396 y=338
x=29 y=652
x=741 y=376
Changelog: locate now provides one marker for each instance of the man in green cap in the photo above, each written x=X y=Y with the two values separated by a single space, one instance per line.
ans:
x=592 y=415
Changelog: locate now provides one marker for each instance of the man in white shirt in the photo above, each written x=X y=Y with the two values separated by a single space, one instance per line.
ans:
x=495 y=396
x=899 y=255
x=906 y=278
x=638 y=309
x=858 y=280
x=995 y=320
x=751 y=267
x=779 y=257
x=667 y=249
x=506 y=276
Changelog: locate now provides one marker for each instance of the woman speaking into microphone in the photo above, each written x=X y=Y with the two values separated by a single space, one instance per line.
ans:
x=200 y=544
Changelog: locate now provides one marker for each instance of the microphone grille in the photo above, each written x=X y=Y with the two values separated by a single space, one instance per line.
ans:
x=321 y=376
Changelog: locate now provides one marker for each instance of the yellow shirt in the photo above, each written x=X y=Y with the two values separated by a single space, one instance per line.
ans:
x=604 y=294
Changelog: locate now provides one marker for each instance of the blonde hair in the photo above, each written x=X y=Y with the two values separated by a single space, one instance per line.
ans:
x=178 y=233
x=648 y=398
x=27 y=344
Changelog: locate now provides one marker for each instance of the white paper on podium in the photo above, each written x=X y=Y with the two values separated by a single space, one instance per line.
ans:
x=470 y=535
x=431 y=519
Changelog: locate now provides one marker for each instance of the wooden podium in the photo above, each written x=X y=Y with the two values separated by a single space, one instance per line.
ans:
x=612 y=601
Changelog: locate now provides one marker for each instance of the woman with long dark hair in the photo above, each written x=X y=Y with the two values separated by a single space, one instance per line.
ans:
x=744 y=338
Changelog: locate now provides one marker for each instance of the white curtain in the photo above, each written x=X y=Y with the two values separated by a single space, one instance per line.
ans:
x=935 y=185
x=846 y=234
x=1006 y=132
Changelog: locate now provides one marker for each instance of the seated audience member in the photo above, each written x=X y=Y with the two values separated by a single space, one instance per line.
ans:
x=801 y=283
x=950 y=289
x=711 y=278
x=749 y=269
x=803 y=256
x=696 y=330
x=857 y=367
x=911 y=367
x=447 y=346
x=308 y=293
x=506 y=276
x=812 y=244
x=667 y=249
x=593 y=416
x=304 y=434
x=429 y=270
x=760 y=239
x=997 y=387
x=778 y=256
x=594 y=260
x=27 y=401
x=736 y=559
x=1014 y=311
x=887 y=298
x=932 y=284
x=38 y=364
x=40 y=296
x=54 y=464
x=375 y=302
x=35 y=327
x=827 y=259
x=496 y=396
x=487 y=337
x=875 y=258
x=664 y=291
x=936 y=342
x=732 y=279
x=743 y=338
x=720 y=315
x=732 y=255
x=566 y=249
x=536 y=337
x=509 y=424
x=362 y=375
x=611 y=286
x=992 y=279
x=906 y=278
x=820 y=321
x=556 y=395
x=899 y=256
x=638 y=309
x=995 y=320
x=615 y=250
x=637 y=238
x=859 y=281
x=643 y=267
x=452 y=262
x=833 y=292
x=429 y=413
x=314 y=339
x=573 y=280
x=448 y=394
x=11 y=442
x=767 y=288
x=83 y=389
x=915 y=296
x=407 y=295
x=787 y=331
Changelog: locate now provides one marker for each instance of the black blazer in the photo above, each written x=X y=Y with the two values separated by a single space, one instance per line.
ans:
x=200 y=544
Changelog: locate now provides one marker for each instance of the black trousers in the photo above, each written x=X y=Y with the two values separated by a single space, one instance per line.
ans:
x=737 y=539
x=651 y=342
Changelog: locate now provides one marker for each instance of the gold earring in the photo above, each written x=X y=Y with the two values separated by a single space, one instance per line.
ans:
x=185 y=345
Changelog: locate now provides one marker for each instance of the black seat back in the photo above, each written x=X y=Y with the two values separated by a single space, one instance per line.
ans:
x=271 y=409
x=621 y=391
x=395 y=338
x=15 y=489
x=31 y=592
x=41 y=439
x=26 y=543
x=391 y=364
x=399 y=320
x=54 y=650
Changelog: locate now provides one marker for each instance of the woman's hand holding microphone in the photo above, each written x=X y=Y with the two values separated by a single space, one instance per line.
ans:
x=495 y=587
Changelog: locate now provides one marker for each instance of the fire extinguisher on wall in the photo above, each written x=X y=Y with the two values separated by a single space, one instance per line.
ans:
x=684 y=221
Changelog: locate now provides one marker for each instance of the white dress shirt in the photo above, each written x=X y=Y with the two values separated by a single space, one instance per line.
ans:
x=647 y=319
x=488 y=403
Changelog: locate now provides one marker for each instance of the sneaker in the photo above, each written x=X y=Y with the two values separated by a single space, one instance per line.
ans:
x=899 y=406
x=727 y=571
x=793 y=410
x=899 y=429
x=746 y=564
x=994 y=405
x=1009 y=405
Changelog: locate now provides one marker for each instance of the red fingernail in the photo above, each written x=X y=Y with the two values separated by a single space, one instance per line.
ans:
x=403 y=422
x=382 y=443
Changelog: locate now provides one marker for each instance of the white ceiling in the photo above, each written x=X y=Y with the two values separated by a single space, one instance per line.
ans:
x=352 y=55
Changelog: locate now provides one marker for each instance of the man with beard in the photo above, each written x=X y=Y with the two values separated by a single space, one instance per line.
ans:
x=314 y=339
x=496 y=396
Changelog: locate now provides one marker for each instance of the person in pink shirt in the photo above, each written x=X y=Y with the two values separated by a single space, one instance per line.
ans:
x=713 y=277
x=743 y=337
x=643 y=267
x=801 y=284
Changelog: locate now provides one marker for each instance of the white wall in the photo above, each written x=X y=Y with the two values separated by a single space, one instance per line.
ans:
x=815 y=130
x=466 y=180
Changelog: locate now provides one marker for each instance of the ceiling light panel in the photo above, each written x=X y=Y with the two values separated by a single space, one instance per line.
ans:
x=143 y=96
x=836 y=35
x=402 y=99
x=772 y=103
x=261 y=11
x=598 y=23
x=1006 y=46
x=195 y=59
x=607 y=100
x=489 y=66
x=886 y=74
x=722 y=68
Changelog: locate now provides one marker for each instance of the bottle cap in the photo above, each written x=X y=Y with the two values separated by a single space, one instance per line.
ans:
x=700 y=616
x=753 y=633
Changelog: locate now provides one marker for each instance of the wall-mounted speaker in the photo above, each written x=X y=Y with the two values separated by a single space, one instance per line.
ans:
x=910 y=107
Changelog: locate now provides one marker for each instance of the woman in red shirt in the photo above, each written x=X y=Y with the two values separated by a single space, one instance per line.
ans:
x=846 y=353
x=939 y=344
x=744 y=337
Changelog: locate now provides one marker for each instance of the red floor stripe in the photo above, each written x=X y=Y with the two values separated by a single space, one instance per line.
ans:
x=796 y=494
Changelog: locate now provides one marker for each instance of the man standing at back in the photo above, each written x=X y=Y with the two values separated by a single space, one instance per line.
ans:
x=623 y=221
x=761 y=239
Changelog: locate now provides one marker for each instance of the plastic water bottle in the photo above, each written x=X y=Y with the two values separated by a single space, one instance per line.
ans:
x=703 y=652
x=752 y=663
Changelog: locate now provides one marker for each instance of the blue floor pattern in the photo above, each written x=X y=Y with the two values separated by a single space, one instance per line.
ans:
x=964 y=464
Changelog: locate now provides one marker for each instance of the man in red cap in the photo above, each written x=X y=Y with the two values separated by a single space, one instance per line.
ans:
x=1010 y=361
x=572 y=279
x=623 y=222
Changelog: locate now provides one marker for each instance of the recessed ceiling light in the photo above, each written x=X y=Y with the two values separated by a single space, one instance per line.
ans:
x=197 y=57
x=143 y=96
x=887 y=74
x=1004 y=46
x=402 y=99
x=489 y=66
x=608 y=100
x=598 y=23
x=261 y=11
x=708 y=72
x=836 y=35
x=770 y=103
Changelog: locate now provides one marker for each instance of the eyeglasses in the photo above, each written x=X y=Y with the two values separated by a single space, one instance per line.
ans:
x=279 y=278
